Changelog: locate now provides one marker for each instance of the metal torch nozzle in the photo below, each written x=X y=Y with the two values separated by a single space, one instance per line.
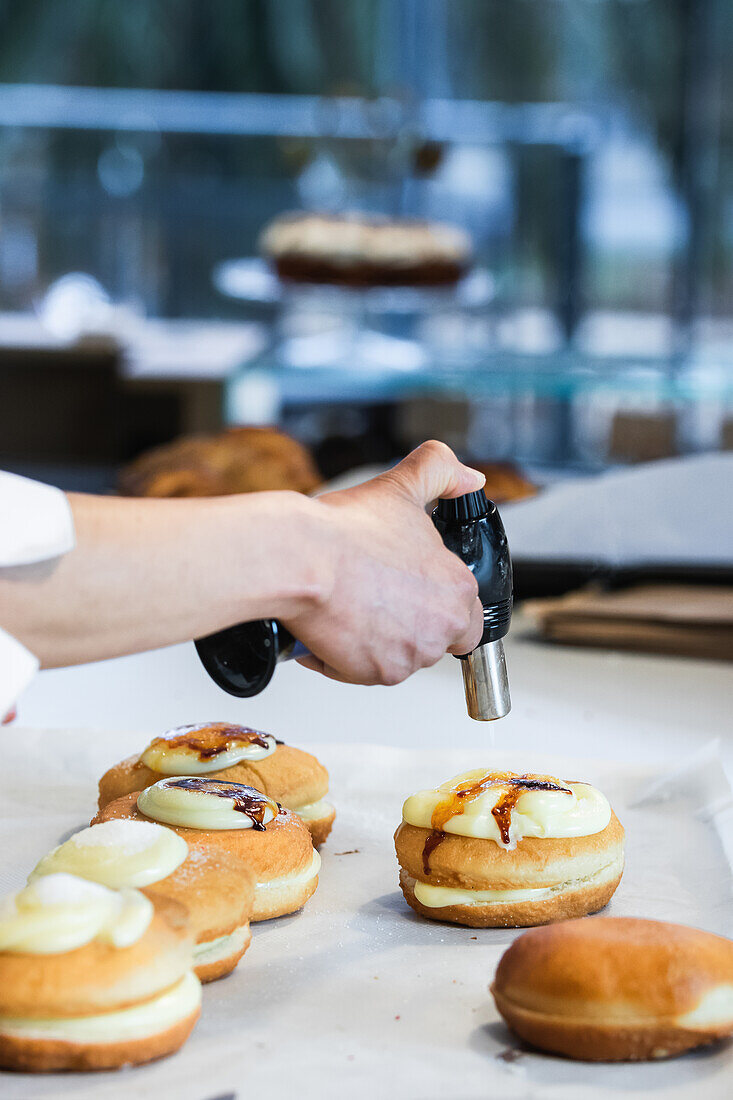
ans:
x=486 y=683
x=471 y=527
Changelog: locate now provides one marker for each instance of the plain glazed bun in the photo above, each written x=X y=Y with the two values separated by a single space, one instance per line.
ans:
x=608 y=989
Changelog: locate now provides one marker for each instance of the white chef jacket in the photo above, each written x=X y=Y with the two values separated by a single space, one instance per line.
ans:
x=36 y=524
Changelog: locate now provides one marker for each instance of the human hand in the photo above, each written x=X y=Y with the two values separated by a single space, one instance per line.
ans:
x=398 y=599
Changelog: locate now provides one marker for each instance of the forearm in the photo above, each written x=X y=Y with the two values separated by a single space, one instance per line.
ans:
x=150 y=573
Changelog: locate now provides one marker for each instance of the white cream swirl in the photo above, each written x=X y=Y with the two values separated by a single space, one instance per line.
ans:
x=193 y=802
x=60 y=912
x=117 y=853
x=577 y=810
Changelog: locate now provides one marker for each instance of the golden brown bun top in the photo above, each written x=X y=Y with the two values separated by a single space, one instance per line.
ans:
x=472 y=863
x=283 y=847
x=99 y=977
x=215 y=888
x=240 y=460
x=651 y=967
x=288 y=775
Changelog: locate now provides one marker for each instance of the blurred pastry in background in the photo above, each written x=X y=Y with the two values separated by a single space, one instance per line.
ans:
x=237 y=754
x=495 y=849
x=213 y=887
x=610 y=989
x=505 y=482
x=233 y=821
x=92 y=978
x=239 y=460
x=355 y=249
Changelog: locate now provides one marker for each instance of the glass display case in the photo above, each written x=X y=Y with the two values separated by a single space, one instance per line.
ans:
x=586 y=148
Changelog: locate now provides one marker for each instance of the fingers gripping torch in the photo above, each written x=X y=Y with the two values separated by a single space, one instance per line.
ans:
x=242 y=659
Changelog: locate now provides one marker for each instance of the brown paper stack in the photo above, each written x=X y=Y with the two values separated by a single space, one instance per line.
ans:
x=687 y=620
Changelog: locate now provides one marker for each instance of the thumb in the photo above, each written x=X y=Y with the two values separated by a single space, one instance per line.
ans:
x=432 y=471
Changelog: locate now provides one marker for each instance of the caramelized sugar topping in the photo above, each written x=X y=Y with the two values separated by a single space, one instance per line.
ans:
x=210 y=738
x=246 y=800
x=459 y=797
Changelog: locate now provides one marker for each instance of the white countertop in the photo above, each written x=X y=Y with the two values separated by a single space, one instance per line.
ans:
x=567 y=701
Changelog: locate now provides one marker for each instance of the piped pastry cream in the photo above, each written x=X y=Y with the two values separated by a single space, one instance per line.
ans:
x=216 y=890
x=297 y=879
x=237 y=824
x=490 y=848
x=118 y=854
x=205 y=748
x=230 y=753
x=92 y=978
x=61 y=912
x=506 y=808
x=314 y=811
x=128 y=1024
x=440 y=897
x=206 y=804
x=215 y=951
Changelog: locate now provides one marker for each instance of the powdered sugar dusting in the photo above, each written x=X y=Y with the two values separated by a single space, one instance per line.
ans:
x=127 y=836
x=64 y=889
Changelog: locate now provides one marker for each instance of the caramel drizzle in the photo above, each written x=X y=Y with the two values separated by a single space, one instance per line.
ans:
x=460 y=797
x=210 y=739
x=253 y=804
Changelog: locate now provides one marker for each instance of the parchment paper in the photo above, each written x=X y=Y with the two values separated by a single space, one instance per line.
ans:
x=356 y=996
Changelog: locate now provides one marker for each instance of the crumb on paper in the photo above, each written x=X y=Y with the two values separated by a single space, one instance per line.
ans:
x=511 y=1054
x=348 y=852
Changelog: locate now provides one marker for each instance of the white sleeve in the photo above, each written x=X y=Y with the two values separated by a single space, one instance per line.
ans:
x=35 y=524
x=18 y=666
x=35 y=521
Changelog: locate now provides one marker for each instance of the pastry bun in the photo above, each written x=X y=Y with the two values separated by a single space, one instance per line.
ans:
x=356 y=249
x=294 y=778
x=495 y=849
x=239 y=460
x=100 y=1006
x=280 y=858
x=617 y=988
x=569 y=876
x=214 y=887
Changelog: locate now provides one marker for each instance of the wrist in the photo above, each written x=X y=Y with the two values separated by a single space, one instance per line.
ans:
x=294 y=571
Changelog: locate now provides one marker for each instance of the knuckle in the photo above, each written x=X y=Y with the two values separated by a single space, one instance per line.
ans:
x=459 y=623
x=468 y=586
x=392 y=675
x=431 y=655
x=374 y=672
x=434 y=448
x=396 y=667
